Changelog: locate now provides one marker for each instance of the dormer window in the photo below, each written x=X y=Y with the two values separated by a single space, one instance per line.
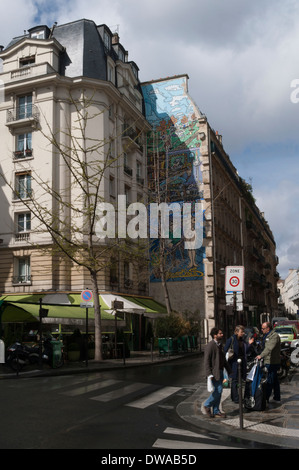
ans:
x=38 y=35
x=39 y=32
x=135 y=69
x=107 y=40
x=27 y=61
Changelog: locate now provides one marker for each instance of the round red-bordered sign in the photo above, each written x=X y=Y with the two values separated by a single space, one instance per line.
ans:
x=86 y=295
x=234 y=281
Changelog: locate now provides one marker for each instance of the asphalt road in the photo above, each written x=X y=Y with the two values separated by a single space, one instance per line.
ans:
x=132 y=408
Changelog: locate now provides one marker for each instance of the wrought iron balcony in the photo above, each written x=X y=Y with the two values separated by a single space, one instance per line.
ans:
x=26 y=279
x=22 y=115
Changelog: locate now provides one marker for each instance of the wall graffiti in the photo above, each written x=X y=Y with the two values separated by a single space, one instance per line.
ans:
x=175 y=167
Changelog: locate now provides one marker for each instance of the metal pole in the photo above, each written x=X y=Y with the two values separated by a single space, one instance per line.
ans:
x=124 y=352
x=40 y=334
x=86 y=337
x=152 y=350
x=240 y=392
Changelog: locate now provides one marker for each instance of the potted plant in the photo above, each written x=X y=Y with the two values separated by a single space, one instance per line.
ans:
x=73 y=352
x=168 y=329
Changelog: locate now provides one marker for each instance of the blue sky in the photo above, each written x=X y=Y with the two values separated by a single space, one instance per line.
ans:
x=241 y=58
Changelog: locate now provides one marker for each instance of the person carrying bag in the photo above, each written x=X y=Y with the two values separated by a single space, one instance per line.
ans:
x=236 y=348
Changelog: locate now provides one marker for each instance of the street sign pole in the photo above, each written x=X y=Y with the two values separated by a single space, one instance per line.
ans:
x=234 y=285
x=86 y=335
x=87 y=297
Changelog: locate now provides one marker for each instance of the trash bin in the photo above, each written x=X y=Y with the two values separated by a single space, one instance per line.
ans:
x=57 y=354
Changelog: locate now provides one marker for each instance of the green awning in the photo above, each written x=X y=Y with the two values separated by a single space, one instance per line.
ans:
x=25 y=307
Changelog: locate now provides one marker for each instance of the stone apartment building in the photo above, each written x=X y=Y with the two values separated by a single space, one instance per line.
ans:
x=192 y=165
x=289 y=294
x=51 y=77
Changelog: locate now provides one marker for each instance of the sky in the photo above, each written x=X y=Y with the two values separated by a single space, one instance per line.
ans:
x=242 y=59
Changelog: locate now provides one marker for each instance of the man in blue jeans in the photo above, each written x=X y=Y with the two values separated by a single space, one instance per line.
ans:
x=215 y=362
x=271 y=356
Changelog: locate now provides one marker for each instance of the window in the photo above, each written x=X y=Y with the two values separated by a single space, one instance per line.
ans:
x=25 y=107
x=139 y=178
x=121 y=55
x=127 y=275
x=38 y=35
x=22 y=271
x=112 y=186
x=23 y=227
x=128 y=195
x=110 y=73
x=24 y=222
x=23 y=185
x=27 y=61
x=24 y=145
x=107 y=40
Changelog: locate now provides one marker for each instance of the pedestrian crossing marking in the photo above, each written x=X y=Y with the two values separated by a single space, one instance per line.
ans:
x=184 y=432
x=91 y=387
x=154 y=397
x=182 y=445
x=114 y=394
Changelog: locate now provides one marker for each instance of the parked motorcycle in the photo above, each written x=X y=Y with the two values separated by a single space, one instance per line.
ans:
x=18 y=355
x=52 y=353
x=285 y=361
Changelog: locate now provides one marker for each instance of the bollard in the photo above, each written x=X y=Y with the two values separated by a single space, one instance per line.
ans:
x=240 y=392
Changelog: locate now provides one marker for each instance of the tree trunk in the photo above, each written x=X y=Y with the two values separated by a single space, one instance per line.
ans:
x=97 y=318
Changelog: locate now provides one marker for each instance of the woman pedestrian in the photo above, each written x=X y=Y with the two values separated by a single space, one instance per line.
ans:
x=237 y=348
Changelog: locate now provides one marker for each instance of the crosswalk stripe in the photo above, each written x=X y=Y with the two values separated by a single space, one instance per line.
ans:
x=172 y=444
x=90 y=387
x=113 y=395
x=153 y=397
x=184 y=432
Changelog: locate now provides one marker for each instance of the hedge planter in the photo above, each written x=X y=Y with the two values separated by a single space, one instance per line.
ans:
x=73 y=355
x=167 y=346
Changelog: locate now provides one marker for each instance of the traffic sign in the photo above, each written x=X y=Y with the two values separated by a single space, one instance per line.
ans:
x=234 y=278
x=86 y=296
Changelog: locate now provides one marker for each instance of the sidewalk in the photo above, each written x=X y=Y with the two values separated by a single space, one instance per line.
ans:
x=277 y=425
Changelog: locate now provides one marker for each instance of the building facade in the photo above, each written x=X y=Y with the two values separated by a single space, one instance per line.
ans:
x=71 y=98
x=189 y=163
x=289 y=294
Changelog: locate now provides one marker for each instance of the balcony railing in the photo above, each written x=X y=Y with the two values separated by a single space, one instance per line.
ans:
x=21 y=115
x=22 y=154
x=22 y=279
x=22 y=237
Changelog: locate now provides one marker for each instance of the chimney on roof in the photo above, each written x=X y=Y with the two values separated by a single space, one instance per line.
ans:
x=115 y=38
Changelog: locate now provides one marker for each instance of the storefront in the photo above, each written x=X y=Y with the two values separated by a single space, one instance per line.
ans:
x=64 y=315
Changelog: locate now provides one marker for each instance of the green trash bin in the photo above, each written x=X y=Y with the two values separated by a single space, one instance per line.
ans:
x=57 y=354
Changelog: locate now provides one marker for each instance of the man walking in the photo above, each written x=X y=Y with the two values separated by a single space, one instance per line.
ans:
x=271 y=356
x=215 y=362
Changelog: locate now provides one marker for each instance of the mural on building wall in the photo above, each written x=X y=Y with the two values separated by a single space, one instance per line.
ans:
x=175 y=167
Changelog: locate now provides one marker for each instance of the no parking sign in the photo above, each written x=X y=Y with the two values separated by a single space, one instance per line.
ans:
x=234 y=278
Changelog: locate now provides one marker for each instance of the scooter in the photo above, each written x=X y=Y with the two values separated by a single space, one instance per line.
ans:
x=18 y=355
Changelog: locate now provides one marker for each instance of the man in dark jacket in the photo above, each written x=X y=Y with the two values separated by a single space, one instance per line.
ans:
x=271 y=356
x=215 y=362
